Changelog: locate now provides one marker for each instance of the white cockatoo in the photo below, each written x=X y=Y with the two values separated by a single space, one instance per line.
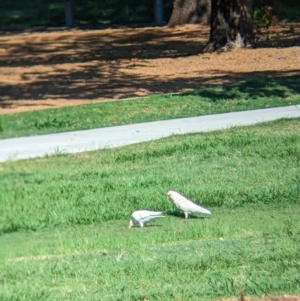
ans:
x=142 y=217
x=186 y=205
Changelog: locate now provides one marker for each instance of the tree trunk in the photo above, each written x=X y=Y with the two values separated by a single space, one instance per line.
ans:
x=190 y=12
x=231 y=25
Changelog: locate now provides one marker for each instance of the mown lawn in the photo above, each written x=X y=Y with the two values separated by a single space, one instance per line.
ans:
x=255 y=94
x=64 y=219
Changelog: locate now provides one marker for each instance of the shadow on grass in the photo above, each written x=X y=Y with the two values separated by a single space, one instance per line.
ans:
x=281 y=87
x=181 y=215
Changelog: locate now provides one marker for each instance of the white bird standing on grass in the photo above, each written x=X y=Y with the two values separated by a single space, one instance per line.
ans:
x=142 y=217
x=186 y=205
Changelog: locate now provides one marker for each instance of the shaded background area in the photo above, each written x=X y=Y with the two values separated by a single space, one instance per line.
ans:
x=21 y=14
x=89 y=13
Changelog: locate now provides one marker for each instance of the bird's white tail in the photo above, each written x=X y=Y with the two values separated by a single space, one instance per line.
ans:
x=206 y=211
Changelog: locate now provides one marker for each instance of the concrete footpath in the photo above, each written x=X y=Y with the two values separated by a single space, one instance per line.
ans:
x=87 y=140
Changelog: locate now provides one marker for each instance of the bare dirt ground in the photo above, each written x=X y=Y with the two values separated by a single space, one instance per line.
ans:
x=41 y=70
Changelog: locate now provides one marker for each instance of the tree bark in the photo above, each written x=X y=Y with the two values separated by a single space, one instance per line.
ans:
x=231 y=25
x=190 y=12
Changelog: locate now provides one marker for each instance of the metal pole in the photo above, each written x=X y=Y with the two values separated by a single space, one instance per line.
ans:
x=69 y=13
x=158 y=11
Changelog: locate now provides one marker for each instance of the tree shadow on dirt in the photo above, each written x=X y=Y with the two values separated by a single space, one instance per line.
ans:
x=92 y=65
x=281 y=35
x=139 y=43
x=113 y=85
x=86 y=46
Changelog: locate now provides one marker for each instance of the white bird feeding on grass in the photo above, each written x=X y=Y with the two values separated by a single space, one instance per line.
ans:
x=186 y=205
x=142 y=217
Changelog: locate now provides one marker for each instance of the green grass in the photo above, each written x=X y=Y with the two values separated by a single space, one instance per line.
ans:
x=64 y=219
x=173 y=260
x=262 y=93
